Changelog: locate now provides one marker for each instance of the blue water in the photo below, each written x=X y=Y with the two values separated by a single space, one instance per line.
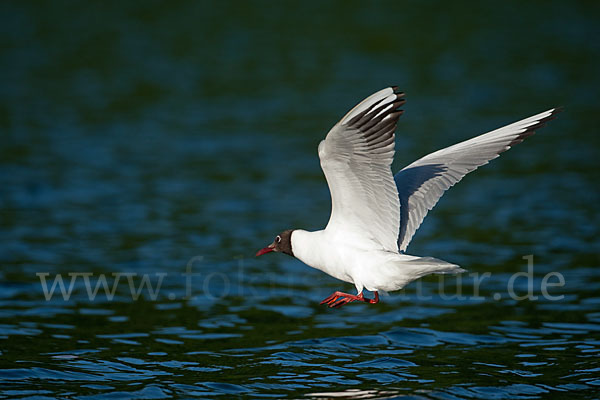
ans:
x=154 y=146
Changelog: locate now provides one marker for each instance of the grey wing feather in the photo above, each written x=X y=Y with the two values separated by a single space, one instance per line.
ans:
x=356 y=157
x=422 y=183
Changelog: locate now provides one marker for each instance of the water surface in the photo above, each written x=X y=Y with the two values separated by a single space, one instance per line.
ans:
x=164 y=143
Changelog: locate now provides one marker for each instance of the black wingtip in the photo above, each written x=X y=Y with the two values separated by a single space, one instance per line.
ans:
x=399 y=103
x=397 y=91
x=530 y=130
x=553 y=114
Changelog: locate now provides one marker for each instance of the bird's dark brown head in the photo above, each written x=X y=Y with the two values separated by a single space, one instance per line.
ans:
x=281 y=244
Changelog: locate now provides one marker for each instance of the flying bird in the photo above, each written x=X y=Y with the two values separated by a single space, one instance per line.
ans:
x=374 y=214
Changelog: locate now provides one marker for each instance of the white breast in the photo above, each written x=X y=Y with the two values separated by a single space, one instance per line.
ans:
x=319 y=251
x=369 y=268
x=337 y=256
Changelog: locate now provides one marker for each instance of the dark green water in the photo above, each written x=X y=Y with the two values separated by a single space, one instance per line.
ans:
x=147 y=139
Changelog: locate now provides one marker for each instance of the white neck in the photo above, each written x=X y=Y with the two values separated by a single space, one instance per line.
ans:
x=317 y=250
x=306 y=245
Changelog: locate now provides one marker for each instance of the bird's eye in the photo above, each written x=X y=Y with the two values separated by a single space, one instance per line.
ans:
x=278 y=239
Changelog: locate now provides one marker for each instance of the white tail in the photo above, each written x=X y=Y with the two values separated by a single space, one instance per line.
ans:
x=401 y=269
x=423 y=266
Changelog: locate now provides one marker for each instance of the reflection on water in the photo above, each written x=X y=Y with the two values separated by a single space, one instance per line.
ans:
x=149 y=149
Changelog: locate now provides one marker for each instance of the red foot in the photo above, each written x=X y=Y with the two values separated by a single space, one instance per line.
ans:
x=338 y=299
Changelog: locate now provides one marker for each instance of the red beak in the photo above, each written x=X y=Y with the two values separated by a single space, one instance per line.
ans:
x=266 y=250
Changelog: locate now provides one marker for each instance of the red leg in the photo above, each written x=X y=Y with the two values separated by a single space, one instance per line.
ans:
x=332 y=299
x=374 y=300
x=338 y=299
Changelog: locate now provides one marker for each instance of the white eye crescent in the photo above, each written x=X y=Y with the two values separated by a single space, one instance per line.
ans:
x=278 y=239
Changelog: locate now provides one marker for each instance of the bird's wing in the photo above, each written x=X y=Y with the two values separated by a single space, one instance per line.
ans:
x=422 y=183
x=356 y=157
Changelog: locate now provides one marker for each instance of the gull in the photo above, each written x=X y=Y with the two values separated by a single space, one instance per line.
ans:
x=374 y=214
